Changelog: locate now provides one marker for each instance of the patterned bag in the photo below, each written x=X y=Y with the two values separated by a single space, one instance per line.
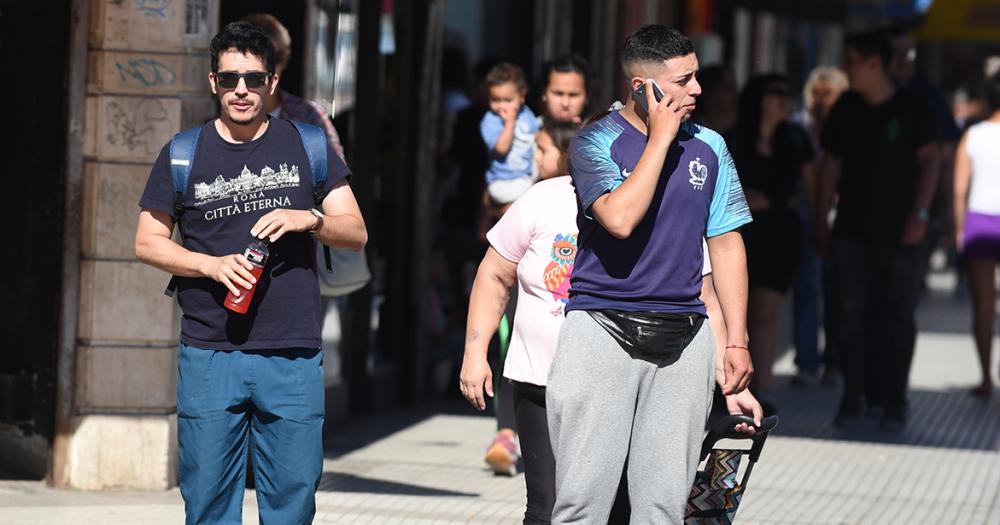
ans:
x=716 y=493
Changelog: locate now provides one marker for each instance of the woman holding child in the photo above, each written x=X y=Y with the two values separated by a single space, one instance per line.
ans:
x=534 y=245
x=505 y=128
x=542 y=259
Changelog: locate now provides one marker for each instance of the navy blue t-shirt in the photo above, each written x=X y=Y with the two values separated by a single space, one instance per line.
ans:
x=230 y=187
x=659 y=267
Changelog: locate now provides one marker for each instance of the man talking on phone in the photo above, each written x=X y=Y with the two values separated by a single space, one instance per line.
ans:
x=630 y=380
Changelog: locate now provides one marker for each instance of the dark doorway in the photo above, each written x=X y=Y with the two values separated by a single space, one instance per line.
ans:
x=34 y=60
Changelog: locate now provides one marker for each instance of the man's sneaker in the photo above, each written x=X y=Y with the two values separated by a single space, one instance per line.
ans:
x=893 y=418
x=848 y=415
x=503 y=456
x=982 y=392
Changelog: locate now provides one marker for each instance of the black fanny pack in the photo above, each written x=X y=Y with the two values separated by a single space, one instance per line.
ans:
x=650 y=334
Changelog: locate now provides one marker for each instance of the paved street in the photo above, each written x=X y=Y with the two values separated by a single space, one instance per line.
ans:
x=425 y=465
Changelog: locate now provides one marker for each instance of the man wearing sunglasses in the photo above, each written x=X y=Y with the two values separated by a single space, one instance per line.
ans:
x=254 y=377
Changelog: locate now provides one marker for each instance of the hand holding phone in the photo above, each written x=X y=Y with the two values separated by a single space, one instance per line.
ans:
x=662 y=120
x=640 y=94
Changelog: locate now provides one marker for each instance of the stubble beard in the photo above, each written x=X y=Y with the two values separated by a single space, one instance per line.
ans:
x=242 y=120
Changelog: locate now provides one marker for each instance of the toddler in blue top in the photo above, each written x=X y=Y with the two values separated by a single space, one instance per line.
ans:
x=508 y=129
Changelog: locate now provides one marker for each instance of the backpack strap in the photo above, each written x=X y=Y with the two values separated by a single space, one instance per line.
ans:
x=182 y=149
x=314 y=141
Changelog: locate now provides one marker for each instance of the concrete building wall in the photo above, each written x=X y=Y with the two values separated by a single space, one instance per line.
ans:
x=147 y=64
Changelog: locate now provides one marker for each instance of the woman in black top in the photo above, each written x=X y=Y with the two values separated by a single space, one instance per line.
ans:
x=773 y=155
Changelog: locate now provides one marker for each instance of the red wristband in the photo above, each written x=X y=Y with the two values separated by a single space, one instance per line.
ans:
x=737 y=346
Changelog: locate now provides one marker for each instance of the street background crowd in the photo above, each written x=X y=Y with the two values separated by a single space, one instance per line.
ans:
x=775 y=136
x=850 y=197
x=910 y=181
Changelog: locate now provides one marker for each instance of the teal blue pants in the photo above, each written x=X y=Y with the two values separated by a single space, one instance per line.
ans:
x=224 y=397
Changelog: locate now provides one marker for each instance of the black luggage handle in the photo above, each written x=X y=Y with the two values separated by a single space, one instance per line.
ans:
x=725 y=428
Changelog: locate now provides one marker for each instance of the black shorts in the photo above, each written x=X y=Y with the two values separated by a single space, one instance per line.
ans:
x=774 y=249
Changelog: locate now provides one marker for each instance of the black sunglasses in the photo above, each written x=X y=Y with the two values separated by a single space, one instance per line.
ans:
x=231 y=79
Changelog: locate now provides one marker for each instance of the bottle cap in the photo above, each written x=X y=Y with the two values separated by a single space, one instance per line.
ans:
x=257 y=252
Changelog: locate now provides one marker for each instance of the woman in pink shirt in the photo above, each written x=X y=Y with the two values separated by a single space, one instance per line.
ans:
x=534 y=244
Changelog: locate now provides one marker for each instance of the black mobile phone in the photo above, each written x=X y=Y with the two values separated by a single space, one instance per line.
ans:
x=640 y=95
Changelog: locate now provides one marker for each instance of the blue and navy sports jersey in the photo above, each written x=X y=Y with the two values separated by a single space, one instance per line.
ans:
x=658 y=268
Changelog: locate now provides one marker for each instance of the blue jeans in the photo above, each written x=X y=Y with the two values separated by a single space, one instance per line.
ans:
x=806 y=299
x=224 y=397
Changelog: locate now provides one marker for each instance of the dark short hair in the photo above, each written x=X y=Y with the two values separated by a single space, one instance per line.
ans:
x=568 y=63
x=505 y=72
x=277 y=32
x=655 y=43
x=872 y=44
x=991 y=89
x=245 y=38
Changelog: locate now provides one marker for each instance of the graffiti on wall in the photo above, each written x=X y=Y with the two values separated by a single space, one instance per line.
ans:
x=147 y=71
x=138 y=129
x=153 y=8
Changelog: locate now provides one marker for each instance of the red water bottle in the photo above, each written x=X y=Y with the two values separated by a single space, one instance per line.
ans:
x=256 y=253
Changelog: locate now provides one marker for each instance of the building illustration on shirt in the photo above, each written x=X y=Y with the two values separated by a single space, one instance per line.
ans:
x=246 y=182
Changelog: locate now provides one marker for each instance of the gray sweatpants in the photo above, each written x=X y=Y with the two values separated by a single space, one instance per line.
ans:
x=605 y=406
